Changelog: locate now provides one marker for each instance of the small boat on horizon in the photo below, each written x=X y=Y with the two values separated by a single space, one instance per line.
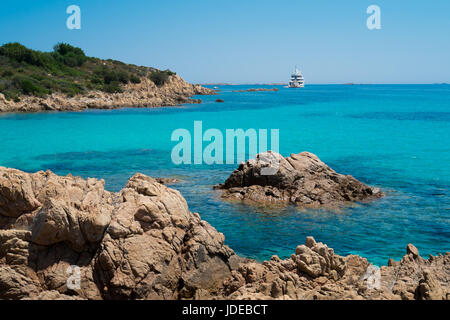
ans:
x=297 y=80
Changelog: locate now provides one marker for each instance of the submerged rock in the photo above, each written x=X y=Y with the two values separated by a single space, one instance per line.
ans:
x=301 y=179
x=68 y=238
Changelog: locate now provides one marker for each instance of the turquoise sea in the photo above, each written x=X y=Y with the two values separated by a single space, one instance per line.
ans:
x=396 y=137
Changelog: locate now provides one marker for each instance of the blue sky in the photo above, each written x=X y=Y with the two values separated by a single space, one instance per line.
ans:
x=249 y=41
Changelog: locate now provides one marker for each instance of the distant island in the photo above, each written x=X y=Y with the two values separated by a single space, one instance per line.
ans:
x=256 y=90
x=66 y=79
x=243 y=84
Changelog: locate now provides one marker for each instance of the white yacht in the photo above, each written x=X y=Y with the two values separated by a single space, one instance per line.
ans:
x=297 y=80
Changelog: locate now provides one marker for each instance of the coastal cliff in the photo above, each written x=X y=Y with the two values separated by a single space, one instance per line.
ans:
x=68 y=80
x=143 y=243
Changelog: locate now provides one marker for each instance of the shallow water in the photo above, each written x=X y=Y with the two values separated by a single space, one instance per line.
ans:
x=395 y=137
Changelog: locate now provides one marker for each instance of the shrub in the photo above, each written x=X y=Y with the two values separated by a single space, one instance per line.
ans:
x=123 y=77
x=69 y=55
x=17 y=52
x=72 y=60
x=65 y=48
x=96 y=80
x=110 y=76
x=7 y=73
x=70 y=88
x=135 y=79
x=37 y=76
x=49 y=84
x=29 y=86
x=113 y=76
x=113 y=87
x=159 y=77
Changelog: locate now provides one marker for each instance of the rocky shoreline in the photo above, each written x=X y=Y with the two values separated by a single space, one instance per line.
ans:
x=145 y=94
x=143 y=243
x=301 y=179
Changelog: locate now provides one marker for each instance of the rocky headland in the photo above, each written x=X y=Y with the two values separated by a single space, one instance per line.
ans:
x=65 y=79
x=301 y=179
x=146 y=94
x=144 y=243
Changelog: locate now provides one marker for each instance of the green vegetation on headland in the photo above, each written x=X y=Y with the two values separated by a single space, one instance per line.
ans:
x=66 y=69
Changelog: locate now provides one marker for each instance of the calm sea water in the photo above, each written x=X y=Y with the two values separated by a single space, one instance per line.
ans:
x=396 y=137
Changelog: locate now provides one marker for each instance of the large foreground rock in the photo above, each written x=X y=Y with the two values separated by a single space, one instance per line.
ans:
x=139 y=243
x=301 y=179
x=68 y=238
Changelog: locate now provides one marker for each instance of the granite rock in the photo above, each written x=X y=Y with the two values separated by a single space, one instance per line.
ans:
x=301 y=179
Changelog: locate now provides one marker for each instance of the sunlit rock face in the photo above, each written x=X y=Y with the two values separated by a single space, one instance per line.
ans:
x=139 y=243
